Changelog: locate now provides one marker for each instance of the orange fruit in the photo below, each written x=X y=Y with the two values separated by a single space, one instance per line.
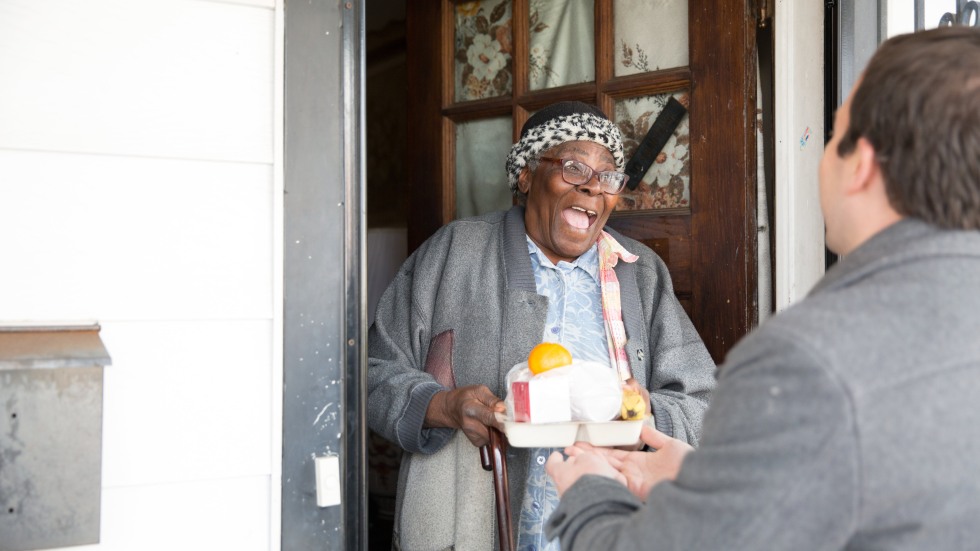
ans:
x=548 y=355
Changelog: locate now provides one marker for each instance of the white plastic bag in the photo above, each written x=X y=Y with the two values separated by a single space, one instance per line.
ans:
x=595 y=390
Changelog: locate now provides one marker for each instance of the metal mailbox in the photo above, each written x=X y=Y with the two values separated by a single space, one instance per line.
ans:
x=50 y=436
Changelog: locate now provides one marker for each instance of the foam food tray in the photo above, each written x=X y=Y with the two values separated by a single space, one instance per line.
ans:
x=559 y=435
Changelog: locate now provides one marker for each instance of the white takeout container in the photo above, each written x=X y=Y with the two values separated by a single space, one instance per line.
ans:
x=559 y=435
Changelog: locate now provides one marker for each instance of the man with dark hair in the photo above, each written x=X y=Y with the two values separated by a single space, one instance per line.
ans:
x=849 y=421
x=478 y=295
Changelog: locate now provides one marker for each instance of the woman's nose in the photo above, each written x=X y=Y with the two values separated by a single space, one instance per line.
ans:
x=592 y=187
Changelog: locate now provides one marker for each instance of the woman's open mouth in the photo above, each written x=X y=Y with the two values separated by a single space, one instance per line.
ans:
x=578 y=217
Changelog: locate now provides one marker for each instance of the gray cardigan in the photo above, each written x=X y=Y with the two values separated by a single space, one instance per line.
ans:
x=473 y=280
x=850 y=421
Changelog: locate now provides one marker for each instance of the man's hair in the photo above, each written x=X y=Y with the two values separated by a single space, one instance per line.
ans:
x=918 y=104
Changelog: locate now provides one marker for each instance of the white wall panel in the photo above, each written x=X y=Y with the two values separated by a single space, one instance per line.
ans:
x=170 y=78
x=111 y=238
x=140 y=186
x=186 y=401
x=229 y=514
x=799 y=146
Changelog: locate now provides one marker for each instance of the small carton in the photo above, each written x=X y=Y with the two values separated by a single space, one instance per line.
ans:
x=542 y=400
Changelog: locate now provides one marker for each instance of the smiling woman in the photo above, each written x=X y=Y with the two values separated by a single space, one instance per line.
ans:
x=484 y=291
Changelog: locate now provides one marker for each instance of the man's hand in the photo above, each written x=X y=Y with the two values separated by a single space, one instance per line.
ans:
x=566 y=472
x=470 y=409
x=642 y=470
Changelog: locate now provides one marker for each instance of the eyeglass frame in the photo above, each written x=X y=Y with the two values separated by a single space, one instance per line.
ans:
x=592 y=173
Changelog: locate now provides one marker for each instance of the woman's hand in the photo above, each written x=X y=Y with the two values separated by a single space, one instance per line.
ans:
x=470 y=409
x=633 y=384
x=636 y=387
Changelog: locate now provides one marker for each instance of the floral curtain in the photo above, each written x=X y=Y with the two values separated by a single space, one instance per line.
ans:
x=481 y=181
x=562 y=43
x=650 y=35
x=484 y=66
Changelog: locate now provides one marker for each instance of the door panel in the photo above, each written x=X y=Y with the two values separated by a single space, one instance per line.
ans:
x=504 y=59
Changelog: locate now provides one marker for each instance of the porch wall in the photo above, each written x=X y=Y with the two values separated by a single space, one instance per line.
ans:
x=140 y=187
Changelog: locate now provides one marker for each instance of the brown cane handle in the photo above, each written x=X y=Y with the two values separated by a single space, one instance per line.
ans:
x=485 y=457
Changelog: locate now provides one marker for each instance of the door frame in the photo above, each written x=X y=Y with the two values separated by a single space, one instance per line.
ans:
x=323 y=307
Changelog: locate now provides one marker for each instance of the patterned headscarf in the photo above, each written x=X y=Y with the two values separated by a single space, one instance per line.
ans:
x=558 y=123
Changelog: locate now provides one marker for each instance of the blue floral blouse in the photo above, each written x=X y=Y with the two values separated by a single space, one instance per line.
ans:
x=575 y=321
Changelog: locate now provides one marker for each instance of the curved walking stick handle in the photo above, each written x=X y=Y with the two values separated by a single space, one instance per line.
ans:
x=485 y=457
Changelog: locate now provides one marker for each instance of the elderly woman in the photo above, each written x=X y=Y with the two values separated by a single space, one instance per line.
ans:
x=477 y=296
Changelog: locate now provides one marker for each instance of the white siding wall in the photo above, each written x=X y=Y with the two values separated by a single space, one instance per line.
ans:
x=140 y=186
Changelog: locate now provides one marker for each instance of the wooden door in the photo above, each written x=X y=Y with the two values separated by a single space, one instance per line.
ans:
x=479 y=69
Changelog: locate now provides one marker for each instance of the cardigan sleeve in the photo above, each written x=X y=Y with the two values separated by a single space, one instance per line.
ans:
x=663 y=345
x=399 y=390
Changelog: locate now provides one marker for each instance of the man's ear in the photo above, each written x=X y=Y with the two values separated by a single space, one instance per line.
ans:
x=865 y=171
x=524 y=180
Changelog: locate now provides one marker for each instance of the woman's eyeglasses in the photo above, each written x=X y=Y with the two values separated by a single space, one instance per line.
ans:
x=578 y=173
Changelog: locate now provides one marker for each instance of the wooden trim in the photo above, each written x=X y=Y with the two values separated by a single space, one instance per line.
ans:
x=723 y=171
x=447 y=53
x=604 y=39
x=425 y=66
x=651 y=213
x=604 y=57
x=521 y=41
x=540 y=98
x=448 y=170
x=479 y=109
x=448 y=92
x=645 y=84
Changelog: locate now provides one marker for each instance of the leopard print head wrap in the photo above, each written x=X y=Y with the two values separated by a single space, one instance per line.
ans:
x=556 y=124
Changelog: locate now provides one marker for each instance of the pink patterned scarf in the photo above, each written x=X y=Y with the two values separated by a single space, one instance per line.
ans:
x=610 y=253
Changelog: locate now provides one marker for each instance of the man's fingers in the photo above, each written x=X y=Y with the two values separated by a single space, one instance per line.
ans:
x=621 y=478
x=555 y=460
x=615 y=462
x=579 y=448
x=654 y=438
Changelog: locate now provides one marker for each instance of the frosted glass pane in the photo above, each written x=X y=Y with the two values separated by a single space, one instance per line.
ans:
x=481 y=151
x=484 y=66
x=650 y=35
x=561 y=42
x=667 y=184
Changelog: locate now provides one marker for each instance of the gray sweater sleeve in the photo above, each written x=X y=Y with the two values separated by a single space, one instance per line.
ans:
x=399 y=390
x=778 y=467
x=680 y=374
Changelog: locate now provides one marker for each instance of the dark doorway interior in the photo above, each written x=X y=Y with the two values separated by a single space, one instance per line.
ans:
x=387 y=194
